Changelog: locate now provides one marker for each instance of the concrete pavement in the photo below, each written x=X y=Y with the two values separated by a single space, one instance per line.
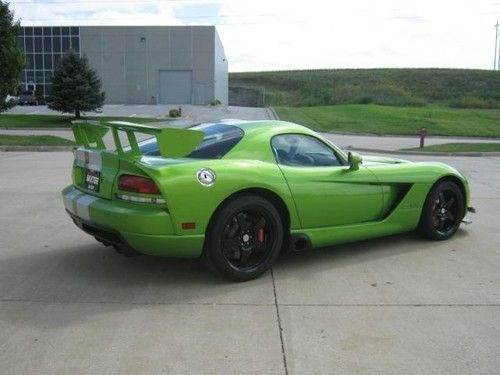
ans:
x=390 y=306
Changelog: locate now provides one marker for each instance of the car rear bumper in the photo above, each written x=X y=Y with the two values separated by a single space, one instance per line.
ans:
x=144 y=228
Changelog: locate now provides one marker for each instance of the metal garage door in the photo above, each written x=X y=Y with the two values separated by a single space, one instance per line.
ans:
x=175 y=86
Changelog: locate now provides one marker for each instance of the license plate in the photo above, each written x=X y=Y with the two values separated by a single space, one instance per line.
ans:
x=92 y=179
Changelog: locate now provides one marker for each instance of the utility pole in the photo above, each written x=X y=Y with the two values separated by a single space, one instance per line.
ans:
x=496 y=64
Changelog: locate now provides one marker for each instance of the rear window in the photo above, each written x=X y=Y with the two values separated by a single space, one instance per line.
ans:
x=219 y=139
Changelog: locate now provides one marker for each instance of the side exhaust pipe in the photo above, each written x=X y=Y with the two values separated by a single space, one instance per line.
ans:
x=300 y=242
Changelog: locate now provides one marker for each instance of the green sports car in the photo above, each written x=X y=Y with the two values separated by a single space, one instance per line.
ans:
x=235 y=193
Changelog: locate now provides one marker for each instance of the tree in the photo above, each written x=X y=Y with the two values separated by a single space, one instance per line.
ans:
x=75 y=86
x=11 y=57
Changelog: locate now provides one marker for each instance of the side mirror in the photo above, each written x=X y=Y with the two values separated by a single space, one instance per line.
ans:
x=354 y=160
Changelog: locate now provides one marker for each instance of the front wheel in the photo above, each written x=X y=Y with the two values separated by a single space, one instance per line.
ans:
x=244 y=238
x=442 y=212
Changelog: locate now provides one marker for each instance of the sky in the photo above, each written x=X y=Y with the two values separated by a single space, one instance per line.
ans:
x=261 y=35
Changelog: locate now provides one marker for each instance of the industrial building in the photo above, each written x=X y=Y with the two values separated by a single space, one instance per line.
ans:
x=136 y=64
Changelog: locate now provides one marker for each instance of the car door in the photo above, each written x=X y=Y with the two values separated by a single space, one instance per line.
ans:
x=326 y=191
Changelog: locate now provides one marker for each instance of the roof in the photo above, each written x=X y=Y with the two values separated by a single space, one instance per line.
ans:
x=271 y=126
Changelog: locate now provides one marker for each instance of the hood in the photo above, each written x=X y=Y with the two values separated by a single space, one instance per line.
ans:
x=372 y=159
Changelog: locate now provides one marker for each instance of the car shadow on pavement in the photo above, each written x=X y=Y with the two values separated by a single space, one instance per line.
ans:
x=93 y=274
x=359 y=253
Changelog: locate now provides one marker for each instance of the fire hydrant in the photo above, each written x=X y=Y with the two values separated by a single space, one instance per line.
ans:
x=423 y=134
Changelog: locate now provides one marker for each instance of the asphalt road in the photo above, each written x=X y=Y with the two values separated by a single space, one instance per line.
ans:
x=398 y=305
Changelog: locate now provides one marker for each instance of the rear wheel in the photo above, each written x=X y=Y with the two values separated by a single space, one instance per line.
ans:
x=442 y=212
x=244 y=239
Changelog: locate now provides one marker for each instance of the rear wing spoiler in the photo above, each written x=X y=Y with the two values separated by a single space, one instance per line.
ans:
x=172 y=142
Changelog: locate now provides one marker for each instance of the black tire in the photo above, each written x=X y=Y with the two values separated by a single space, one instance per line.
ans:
x=244 y=238
x=443 y=211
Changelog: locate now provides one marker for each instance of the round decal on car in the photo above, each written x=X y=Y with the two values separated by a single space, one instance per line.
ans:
x=206 y=177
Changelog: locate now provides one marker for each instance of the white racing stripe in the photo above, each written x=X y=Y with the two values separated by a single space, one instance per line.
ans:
x=80 y=157
x=95 y=161
x=78 y=203
x=82 y=206
x=88 y=159
x=69 y=200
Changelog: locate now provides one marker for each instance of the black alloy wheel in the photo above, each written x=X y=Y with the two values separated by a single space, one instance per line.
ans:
x=245 y=238
x=443 y=211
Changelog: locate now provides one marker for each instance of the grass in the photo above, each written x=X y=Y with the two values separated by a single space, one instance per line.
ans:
x=398 y=87
x=459 y=147
x=58 y=121
x=33 y=140
x=377 y=119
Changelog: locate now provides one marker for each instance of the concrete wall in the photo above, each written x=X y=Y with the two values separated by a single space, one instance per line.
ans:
x=129 y=58
x=221 y=71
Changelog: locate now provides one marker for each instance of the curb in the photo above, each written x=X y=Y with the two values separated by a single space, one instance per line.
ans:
x=415 y=136
x=272 y=113
x=423 y=153
x=36 y=148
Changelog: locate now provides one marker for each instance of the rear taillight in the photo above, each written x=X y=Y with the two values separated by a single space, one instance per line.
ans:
x=137 y=184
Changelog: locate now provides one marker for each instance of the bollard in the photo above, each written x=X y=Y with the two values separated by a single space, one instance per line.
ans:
x=423 y=134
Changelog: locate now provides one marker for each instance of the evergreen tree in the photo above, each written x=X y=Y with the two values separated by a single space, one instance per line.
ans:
x=75 y=86
x=11 y=57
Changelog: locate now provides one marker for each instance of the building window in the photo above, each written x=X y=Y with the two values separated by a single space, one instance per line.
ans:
x=47 y=44
x=38 y=61
x=47 y=61
x=75 y=43
x=56 y=44
x=38 y=45
x=28 y=42
x=30 y=63
x=30 y=76
x=39 y=76
x=57 y=60
x=65 y=44
x=44 y=48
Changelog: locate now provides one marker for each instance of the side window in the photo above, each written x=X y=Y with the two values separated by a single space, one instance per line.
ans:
x=303 y=151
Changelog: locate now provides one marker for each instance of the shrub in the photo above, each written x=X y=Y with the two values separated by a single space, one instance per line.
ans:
x=473 y=102
x=215 y=102
x=174 y=112
x=365 y=100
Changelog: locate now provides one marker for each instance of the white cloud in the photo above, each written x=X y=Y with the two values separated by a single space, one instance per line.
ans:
x=272 y=35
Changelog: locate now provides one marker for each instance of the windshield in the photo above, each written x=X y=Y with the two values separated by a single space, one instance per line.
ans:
x=219 y=139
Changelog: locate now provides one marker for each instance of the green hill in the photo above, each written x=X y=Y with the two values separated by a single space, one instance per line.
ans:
x=458 y=88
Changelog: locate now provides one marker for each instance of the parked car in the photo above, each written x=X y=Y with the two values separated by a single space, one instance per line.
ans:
x=27 y=98
x=11 y=98
x=236 y=193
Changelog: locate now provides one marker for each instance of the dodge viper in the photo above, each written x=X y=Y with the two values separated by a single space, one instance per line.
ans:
x=236 y=193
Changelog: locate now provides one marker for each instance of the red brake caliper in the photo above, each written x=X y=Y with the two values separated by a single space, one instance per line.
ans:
x=261 y=235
